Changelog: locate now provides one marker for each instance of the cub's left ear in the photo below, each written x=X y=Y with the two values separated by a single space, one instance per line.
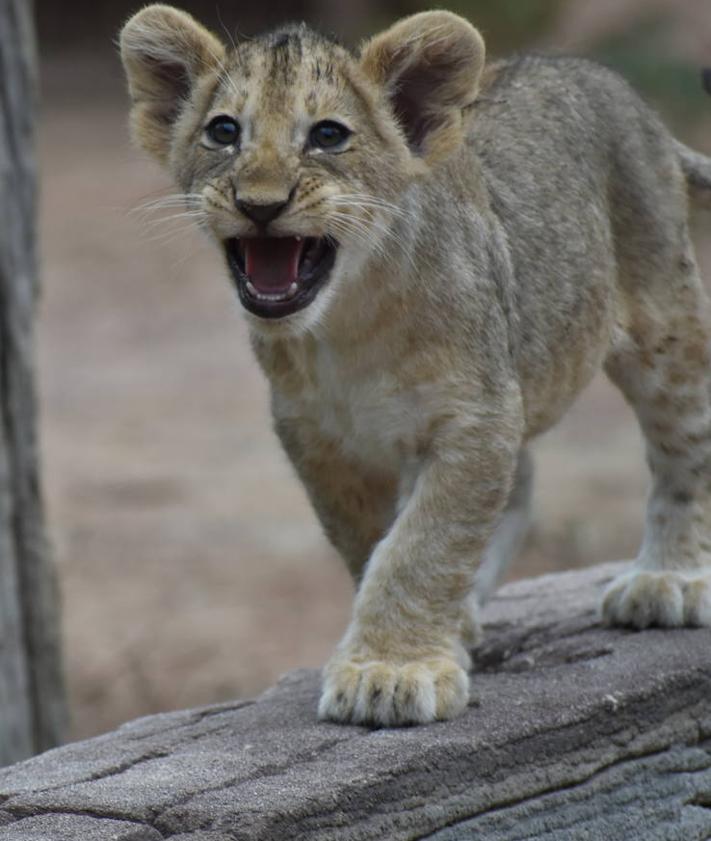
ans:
x=165 y=53
x=429 y=65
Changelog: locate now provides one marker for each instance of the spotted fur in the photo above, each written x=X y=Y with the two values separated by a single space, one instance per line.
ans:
x=504 y=231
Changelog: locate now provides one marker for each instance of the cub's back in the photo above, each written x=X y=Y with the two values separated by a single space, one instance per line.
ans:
x=566 y=121
x=585 y=181
x=564 y=141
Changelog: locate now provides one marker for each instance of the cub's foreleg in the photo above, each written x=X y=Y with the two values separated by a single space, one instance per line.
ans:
x=401 y=660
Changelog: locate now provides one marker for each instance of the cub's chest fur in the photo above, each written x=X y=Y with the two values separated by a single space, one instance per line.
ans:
x=369 y=413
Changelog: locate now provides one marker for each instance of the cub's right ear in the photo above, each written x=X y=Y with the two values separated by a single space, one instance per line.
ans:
x=164 y=52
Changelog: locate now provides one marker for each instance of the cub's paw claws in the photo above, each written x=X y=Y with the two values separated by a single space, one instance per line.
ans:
x=388 y=694
x=641 y=599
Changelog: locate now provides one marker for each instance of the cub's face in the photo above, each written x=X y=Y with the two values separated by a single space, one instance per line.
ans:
x=292 y=151
x=295 y=168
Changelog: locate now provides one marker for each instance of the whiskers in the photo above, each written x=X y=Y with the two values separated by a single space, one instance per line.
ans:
x=170 y=218
x=190 y=201
x=376 y=225
x=365 y=200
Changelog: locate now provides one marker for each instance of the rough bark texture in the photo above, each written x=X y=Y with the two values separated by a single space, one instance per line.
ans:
x=31 y=698
x=574 y=732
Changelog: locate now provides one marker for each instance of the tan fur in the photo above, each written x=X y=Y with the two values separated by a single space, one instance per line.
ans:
x=503 y=231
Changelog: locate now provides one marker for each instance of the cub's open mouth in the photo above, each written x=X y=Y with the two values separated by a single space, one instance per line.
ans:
x=276 y=276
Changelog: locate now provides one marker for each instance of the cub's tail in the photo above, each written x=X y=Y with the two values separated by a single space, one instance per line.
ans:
x=697 y=167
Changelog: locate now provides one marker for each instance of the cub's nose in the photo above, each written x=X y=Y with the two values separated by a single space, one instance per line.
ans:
x=262 y=214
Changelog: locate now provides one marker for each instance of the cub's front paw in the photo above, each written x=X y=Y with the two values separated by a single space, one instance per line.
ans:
x=668 y=599
x=379 y=692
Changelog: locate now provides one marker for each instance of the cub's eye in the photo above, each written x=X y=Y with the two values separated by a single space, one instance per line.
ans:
x=328 y=134
x=223 y=130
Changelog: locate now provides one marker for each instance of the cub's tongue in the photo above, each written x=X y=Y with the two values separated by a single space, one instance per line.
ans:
x=272 y=263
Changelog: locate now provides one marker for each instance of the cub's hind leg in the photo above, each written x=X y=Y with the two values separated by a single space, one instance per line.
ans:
x=502 y=548
x=661 y=361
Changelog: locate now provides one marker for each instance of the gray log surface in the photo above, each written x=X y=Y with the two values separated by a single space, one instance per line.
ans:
x=575 y=733
x=31 y=698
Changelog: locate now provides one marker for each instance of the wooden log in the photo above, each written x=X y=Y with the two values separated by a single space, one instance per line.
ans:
x=32 y=708
x=574 y=732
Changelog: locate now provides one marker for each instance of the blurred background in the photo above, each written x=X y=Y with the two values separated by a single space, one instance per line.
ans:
x=192 y=568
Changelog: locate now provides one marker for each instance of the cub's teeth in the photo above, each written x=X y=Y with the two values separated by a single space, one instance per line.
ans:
x=276 y=296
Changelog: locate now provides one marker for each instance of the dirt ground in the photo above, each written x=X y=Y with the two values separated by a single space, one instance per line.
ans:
x=192 y=568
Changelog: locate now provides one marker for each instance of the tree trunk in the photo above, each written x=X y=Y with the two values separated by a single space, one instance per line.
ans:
x=32 y=710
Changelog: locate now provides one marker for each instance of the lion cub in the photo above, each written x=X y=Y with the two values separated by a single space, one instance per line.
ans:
x=435 y=255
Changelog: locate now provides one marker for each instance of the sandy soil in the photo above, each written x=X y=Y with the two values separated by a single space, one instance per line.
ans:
x=192 y=568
